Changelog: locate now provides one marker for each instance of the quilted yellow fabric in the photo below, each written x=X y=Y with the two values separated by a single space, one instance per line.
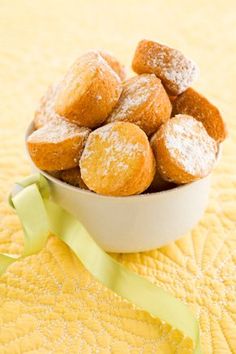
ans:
x=49 y=302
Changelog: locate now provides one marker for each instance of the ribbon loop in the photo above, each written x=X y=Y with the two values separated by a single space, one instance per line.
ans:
x=30 y=208
x=39 y=216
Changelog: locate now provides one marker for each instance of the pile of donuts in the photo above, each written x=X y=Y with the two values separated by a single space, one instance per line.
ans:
x=100 y=131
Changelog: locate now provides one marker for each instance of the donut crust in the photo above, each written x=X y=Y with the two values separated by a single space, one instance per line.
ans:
x=175 y=71
x=73 y=177
x=184 y=151
x=114 y=64
x=159 y=184
x=46 y=110
x=57 y=145
x=89 y=91
x=117 y=160
x=196 y=105
x=144 y=102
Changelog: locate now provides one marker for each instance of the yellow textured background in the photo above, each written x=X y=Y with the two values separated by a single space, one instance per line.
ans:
x=48 y=302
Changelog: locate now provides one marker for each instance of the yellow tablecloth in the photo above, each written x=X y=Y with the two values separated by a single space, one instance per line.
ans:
x=48 y=302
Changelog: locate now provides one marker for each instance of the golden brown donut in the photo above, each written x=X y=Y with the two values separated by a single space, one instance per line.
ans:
x=117 y=160
x=114 y=64
x=57 y=145
x=172 y=98
x=89 y=91
x=194 y=104
x=46 y=110
x=159 y=184
x=55 y=174
x=73 y=177
x=144 y=102
x=170 y=65
x=184 y=151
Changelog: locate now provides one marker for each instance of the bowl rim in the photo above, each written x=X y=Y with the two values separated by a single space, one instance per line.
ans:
x=30 y=129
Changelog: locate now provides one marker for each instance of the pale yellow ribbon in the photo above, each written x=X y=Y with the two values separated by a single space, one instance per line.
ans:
x=40 y=216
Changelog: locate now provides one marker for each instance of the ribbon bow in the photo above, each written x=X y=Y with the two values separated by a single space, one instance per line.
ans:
x=40 y=216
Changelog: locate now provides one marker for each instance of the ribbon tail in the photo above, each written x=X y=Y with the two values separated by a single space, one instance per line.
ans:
x=39 y=216
x=125 y=283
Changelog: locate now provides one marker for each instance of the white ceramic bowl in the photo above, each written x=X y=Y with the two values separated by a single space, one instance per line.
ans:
x=135 y=223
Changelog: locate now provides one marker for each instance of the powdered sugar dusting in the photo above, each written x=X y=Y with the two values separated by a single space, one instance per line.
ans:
x=136 y=92
x=190 y=145
x=46 y=111
x=104 y=64
x=118 y=150
x=88 y=63
x=113 y=63
x=176 y=71
x=58 y=131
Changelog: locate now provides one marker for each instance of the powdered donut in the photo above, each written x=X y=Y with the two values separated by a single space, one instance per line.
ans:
x=170 y=65
x=46 y=110
x=193 y=103
x=73 y=177
x=57 y=145
x=184 y=151
x=89 y=91
x=114 y=64
x=144 y=102
x=117 y=160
